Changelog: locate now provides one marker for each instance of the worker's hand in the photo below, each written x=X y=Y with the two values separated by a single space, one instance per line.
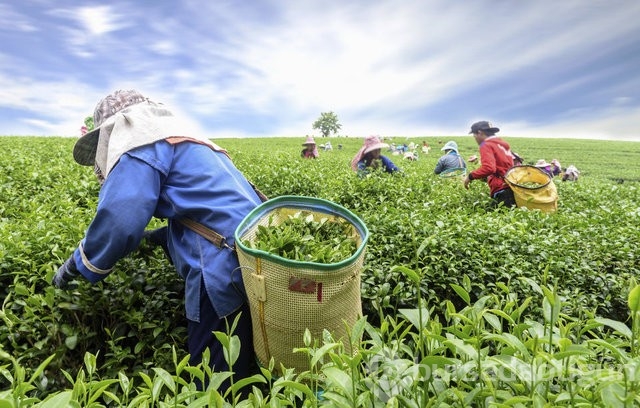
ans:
x=158 y=237
x=65 y=274
x=466 y=182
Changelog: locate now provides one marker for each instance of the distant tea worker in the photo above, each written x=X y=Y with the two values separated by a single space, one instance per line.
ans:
x=310 y=150
x=451 y=160
x=369 y=157
x=495 y=160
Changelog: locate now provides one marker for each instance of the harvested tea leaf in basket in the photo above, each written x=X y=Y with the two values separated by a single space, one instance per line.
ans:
x=301 y=237
x=531 y=184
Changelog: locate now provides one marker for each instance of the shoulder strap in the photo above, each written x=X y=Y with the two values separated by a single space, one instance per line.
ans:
x=212 y=236
x=216 y=239
x=260 y=194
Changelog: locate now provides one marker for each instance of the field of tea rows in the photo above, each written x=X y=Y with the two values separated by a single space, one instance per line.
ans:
x=453 y=292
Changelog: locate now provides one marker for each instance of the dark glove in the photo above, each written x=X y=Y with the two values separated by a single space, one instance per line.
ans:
x=65 y=274
x=158 y=237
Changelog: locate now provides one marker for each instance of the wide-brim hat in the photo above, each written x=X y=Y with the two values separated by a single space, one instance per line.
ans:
x=450 y=145
x=84 y=151
x=485 y=126
x=542 y=163
x=372 y=143
x=309 y=141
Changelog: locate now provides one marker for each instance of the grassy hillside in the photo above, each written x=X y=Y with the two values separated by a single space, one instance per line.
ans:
x=448 y=285
x=594 y=158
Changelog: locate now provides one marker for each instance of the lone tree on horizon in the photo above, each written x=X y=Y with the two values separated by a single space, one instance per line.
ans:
x=327 y=123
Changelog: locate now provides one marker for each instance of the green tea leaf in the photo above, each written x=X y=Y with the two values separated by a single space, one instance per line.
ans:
x=634 y=299
x=461 y=292
x=615 y=325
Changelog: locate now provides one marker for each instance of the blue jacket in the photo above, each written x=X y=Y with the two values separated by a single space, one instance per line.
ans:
x=449 y=161
x=173 y=181
x=387 y=165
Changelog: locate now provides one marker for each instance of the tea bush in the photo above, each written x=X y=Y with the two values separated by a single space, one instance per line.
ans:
x=448 y=282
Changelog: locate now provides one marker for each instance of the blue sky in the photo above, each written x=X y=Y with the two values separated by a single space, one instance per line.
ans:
x=543 y=68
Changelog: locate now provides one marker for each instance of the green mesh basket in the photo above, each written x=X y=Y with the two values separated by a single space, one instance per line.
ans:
x=286 y=297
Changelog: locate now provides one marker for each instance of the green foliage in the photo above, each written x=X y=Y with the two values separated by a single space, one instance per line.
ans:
x=327 y=123
x=301 y=238
x=464 y=305
x=88 y=122
x=131 y=320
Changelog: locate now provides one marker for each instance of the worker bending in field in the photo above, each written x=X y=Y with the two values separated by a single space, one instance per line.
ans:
x=451 y=160
x=495 y=160
x=149 y=167
x=369 y=157
x=310 y=150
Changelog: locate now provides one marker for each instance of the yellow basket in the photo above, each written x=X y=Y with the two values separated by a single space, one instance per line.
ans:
x=286 y=296
x=544 y=196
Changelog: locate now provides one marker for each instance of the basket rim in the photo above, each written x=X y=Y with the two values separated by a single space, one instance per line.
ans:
x=301 y=202
x=511 y=183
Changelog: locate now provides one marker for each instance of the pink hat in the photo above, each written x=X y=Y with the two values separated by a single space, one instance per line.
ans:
x=309 y=141
x=371 y=143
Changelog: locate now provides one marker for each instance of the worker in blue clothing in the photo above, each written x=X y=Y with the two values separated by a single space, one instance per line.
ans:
x=451 y=160
x=148 y=167
x=369 y=157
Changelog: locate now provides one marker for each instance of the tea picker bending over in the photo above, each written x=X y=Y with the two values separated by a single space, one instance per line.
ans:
x=571 y=173
x=148 y=166
x=495 y=160
x=310 y=150
x=552 y=169
x=451 y=160
x=369 y=158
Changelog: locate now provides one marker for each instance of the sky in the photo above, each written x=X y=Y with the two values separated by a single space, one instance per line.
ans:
x=543 y=68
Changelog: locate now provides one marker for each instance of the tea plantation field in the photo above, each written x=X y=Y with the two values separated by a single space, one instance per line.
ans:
x=463 y=305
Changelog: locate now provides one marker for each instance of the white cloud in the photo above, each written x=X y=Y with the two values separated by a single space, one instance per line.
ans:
x=87 y=33
x=10 y=19
x=611 y=124
x=99 y=20
x=374 y=63
x=165 y=47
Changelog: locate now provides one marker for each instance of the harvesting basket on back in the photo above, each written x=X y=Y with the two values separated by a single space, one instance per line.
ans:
x=532 y=188
x=286 y=296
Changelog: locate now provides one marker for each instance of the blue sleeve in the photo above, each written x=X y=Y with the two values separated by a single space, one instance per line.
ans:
x=389 y=167
x=362 y=168
x=126 y=204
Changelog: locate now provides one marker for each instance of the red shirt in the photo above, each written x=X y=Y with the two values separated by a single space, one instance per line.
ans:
x=495 y=160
